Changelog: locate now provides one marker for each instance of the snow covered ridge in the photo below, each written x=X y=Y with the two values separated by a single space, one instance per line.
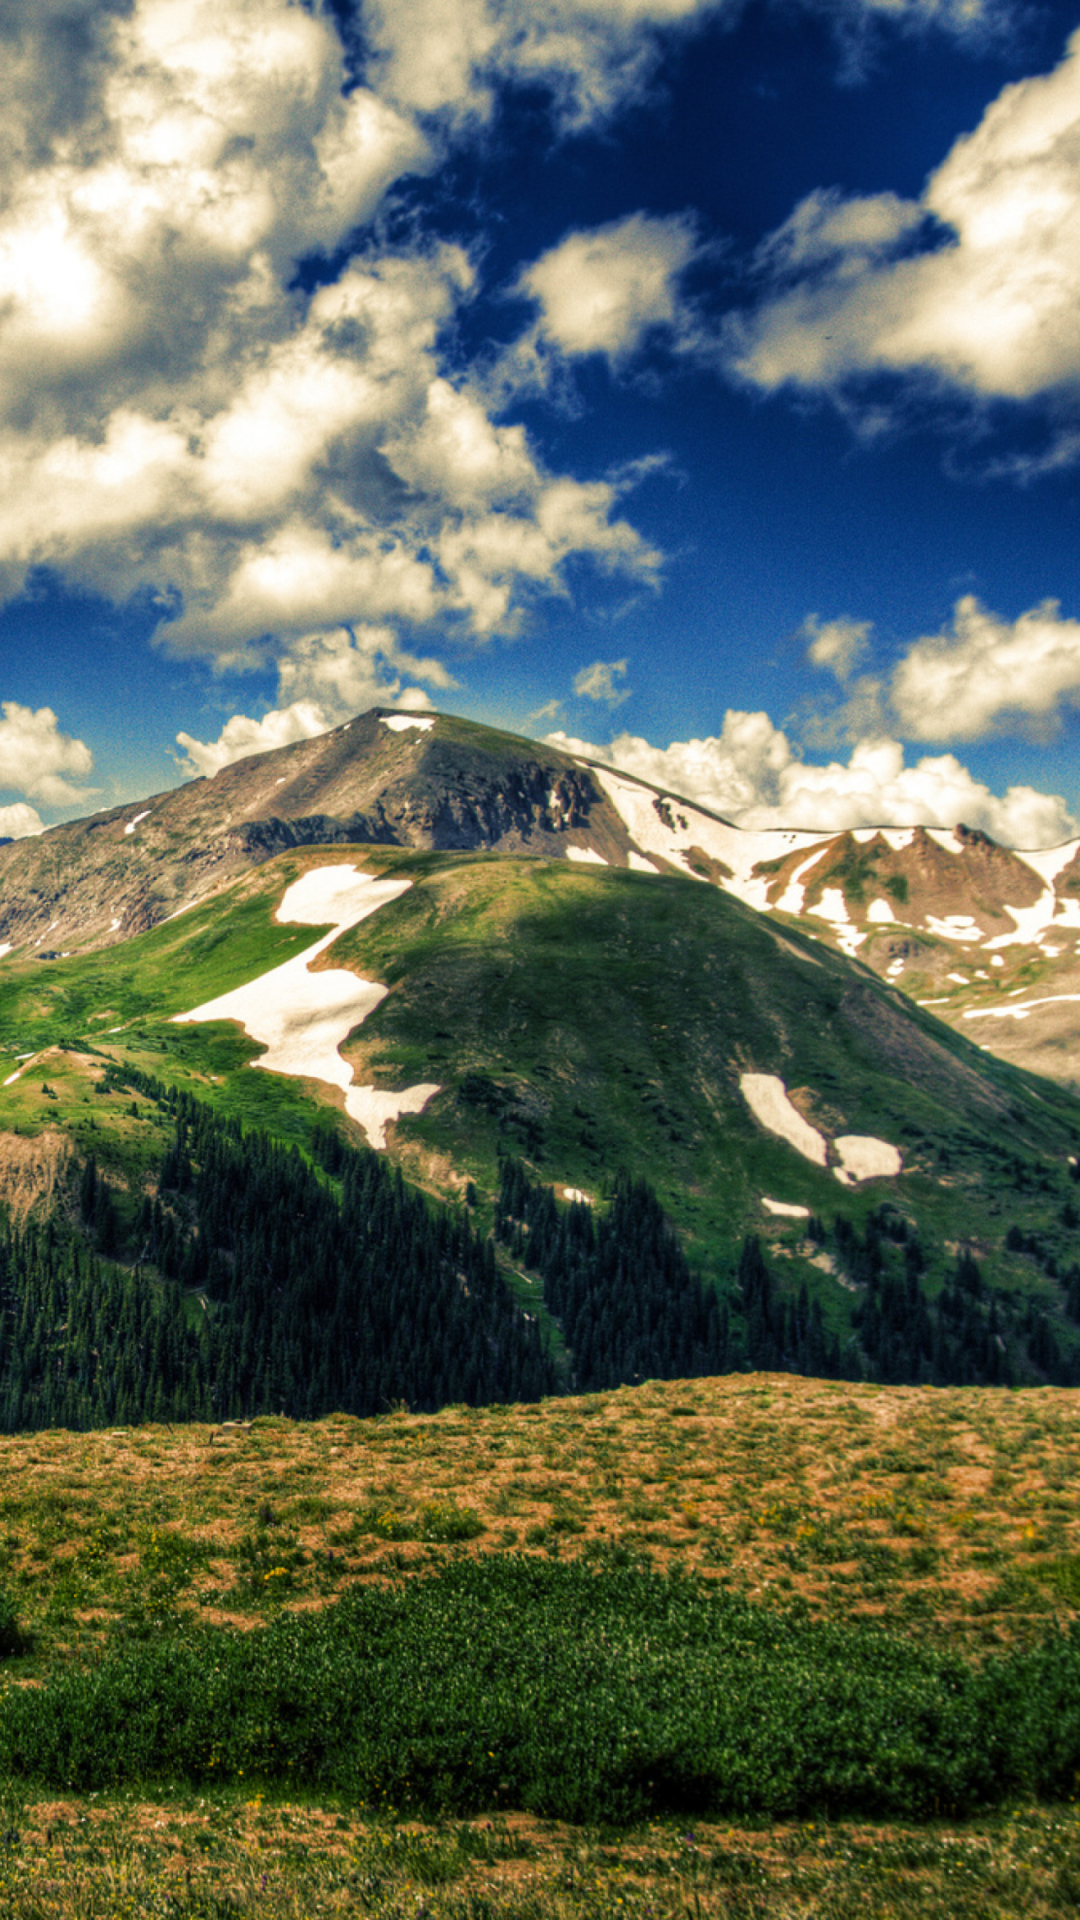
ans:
x=398 y=722
x=302 y=1018
x=861 y=1156
x=665 y=826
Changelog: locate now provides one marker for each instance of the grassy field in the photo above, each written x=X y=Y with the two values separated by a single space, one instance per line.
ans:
x=950 y=1515
x=243 y=1857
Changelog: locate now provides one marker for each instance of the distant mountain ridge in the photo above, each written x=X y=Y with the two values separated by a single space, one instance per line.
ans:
x=988 y=936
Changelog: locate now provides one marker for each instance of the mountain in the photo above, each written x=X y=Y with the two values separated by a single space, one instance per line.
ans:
x=987 y=937
x=529 y=983
x=384 y=778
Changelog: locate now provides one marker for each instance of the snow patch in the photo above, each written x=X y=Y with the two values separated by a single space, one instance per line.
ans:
x=784 y=1209
x=1030 y=922
x=791 y=900
x=668 y=827
x=898 y=838
x=1048 y=862
x=945 y=837
x=955 y=926
x=881 y=913
x=958 y=979
x=132 y=824
x=637 y=863
x=766 y=1096
x=1021 y=1012
x=397 y=722
x=864 y=1158
x=114 y=926
x=302 y=1017
x=5 y=947
x=575 y=1193
x=586 y=855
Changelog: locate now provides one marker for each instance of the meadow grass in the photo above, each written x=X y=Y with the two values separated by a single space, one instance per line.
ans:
x=239 y=1856
x=952 y=1513
x=950 y=1517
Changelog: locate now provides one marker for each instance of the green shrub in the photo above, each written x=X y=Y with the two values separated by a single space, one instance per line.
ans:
x=576 y=1694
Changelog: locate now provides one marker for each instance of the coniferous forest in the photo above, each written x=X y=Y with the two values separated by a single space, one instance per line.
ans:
x=260 y=1284
x=256 y=1280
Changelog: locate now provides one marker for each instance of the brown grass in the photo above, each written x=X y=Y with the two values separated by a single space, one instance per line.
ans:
x=955 y=1512
x=203 y=1859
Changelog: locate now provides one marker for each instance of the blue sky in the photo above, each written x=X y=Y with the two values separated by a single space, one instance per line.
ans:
x=697 y=383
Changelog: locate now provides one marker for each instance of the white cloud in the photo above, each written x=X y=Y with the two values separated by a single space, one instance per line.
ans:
x=975 y=286
x=241 y=736
x=38 y=760
x=19 y=822
x=605 y=290
x=175 y=414
x=449 y=56
x=599 y=682
x=984 y=672
x=751 y=775
x=837 y=645
x=323 y=679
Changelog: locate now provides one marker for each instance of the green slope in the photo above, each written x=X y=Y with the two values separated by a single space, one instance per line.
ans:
x=590 y=1021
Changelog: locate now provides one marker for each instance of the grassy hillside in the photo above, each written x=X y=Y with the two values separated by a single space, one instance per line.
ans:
x=589 y=1021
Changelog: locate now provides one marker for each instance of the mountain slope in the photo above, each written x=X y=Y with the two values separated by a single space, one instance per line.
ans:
x=585 y=1021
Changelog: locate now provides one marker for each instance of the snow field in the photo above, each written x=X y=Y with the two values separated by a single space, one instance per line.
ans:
x=398 y=722
x=302 y=1017
x=766 y=1096
x=784 y=1209
x=862 y=1157
x=586 y=856
x=1021 y=1012
x=737 y=848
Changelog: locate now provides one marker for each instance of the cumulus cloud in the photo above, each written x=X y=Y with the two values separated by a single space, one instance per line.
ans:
x=751 y=774
x=38 y=760
x=242 y=736
x=606 y=290
x=978 y=677
x=599 y=682
x=984 y=672
x=837 y=645
x=450 y=56
x=176 y=414
x=19 y=822
x=975 y=287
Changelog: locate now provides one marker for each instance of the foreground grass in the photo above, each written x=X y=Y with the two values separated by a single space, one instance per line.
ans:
x=953 y=1514
x=234 y=1858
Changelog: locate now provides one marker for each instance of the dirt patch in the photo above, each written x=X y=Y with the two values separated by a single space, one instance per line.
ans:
x=32 y=1170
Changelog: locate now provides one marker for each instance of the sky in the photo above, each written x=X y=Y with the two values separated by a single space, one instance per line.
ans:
x=695 y=383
